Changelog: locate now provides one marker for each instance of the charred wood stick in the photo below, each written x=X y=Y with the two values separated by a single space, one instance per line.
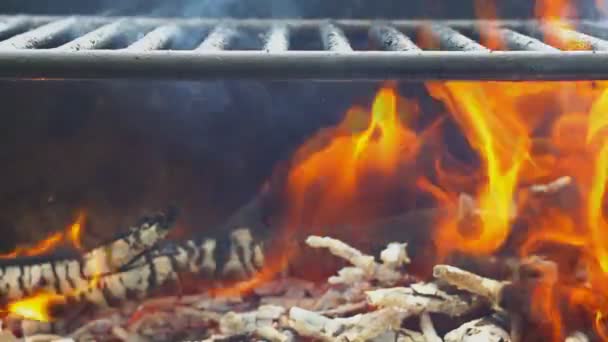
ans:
x=233 y=258
x=487 y=288
x=24 y=276
x=242 y=258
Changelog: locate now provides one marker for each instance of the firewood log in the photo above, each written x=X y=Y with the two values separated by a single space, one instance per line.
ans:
x=241 y=258
x=61 y=273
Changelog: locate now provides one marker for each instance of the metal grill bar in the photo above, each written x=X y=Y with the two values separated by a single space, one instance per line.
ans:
x=155 y=39
x=334 y=39
x=574 y=39
x=13 y=26
x=277 y=40
x=96 y=39
x=451 y=39
x=218 y=39
x=518 y=41
x=106 y=47
x=390 y=39
x=39 y=36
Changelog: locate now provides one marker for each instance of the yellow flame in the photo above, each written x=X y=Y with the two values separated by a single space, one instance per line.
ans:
x=501 y=142
x=75 y=231
x=36 y=307
x=598 y=117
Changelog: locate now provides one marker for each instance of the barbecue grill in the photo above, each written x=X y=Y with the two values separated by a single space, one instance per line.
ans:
x=122 y=47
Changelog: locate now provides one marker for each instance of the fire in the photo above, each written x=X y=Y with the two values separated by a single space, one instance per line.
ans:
x=72 y=234
x=489 y=35
x=39 y=306
x=553 y=10
x=349 y=156
x=502 y=143
x=520 y=134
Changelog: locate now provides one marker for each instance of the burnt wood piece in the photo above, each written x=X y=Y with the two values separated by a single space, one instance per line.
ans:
x=24 y=276
x=237 y=258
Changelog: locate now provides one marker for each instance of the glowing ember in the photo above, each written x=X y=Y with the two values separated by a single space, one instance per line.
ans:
x=36 y=307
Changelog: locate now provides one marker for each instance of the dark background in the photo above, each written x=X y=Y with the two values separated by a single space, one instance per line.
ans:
x=119 y=149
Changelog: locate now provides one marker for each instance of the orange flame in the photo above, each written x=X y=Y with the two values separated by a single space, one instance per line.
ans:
x=502 y=143
x=38 y=306
x=553 y=10
x=332 y=167
x=490 y=35
x=72 y=233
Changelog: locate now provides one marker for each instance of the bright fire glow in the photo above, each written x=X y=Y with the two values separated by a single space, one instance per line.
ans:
x=72 y=233
x=363 y=145
x=37 y=307
x=502 y=143
x=490 y=35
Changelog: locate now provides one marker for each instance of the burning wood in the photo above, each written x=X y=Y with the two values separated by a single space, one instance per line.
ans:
x=24 y=276
x=381 y=312
x=487 y=218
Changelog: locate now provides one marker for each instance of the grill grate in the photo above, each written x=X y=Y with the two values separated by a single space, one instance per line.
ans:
x=139 y=47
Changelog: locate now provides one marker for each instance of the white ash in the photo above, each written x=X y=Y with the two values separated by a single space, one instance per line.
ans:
x=577 y=336
x=242 y=323
x=487 y=288
x=365 y=266
x=482 y=329
x=401 y=335
x=395 y=255
x=7 y=336
x=428 y=329
x=361 y=327
x=419 y=298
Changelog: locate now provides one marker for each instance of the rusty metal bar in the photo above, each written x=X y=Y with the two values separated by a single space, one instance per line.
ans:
x=390 y=39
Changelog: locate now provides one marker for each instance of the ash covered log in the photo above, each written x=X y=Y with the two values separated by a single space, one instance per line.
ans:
x=24 y=276
x=237 y=256
x=241 y=258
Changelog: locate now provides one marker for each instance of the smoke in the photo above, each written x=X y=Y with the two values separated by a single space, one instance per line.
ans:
x=400 y=9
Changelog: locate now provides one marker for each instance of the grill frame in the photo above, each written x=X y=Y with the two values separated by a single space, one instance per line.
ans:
x=87 y=55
